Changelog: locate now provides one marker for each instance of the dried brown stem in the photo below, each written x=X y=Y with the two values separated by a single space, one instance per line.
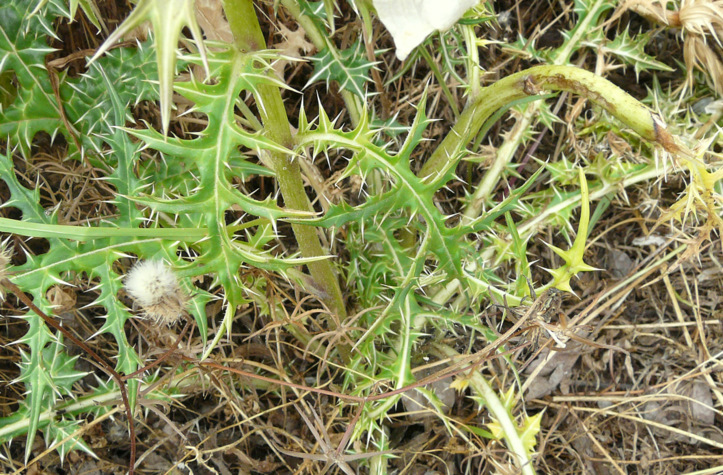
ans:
x=99 y=362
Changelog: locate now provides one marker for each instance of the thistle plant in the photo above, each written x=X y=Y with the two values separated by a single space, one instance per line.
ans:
x=208 y=216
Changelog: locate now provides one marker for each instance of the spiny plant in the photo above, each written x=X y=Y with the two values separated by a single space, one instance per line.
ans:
x=412 y=271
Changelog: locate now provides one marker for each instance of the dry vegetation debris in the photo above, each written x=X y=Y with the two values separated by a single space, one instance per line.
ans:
x=646 y=399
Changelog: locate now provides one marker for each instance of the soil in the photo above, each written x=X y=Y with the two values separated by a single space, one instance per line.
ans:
x=648 y=402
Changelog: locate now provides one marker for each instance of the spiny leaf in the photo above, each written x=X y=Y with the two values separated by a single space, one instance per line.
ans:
x=89 y=8
x=208 y=156
x=98 y=103
x=64 y=429
x=349 y=68
x=317 y=11
x=206 y=162
x=408 y=192
x=48 y=373
x=167 y=27
x=23 y=47
x=630 y=50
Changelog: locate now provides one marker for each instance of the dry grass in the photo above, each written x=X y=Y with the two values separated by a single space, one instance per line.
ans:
x=654 y=410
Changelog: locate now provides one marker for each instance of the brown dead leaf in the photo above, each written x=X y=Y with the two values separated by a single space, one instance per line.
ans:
x=209 y=14
x=419 y=406
x=701 y=410
x=620 y=263
x=654 y=10
x=294 y=45
x=556 y=372
x=63 y=299
x=693 y=412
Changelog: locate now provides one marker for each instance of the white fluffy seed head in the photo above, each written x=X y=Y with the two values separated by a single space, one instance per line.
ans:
x=154 y=288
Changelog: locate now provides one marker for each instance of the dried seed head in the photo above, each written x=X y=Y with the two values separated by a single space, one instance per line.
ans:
x=701 y=20
x=698 y=54
x=702 y=17
x=154 y=288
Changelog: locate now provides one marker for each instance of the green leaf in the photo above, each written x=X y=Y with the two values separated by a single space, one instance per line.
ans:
x=64 y=429
x=97 y=103
x=169 y=18
x=23 y=47
x=408 y=193
x=48 y=373
x=349 y=68
x=630 y=50
x=317 y=11
x=89 y=8
x=196 y=182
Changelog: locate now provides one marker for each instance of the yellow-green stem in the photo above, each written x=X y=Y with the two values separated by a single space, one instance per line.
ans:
x=248 y=37
x=515 y=138
x=492 y=402
x=533 y=82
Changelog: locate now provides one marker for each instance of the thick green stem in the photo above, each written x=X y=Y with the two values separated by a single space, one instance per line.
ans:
x=533 y=82
x=515 y=138
x=248 y=37
x=529 y=83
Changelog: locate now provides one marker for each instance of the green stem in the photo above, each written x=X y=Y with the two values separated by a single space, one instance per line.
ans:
x=532 y=82
x=502 y=158
x=472 y=61
x=529 y=83
x=248 y=37
x=515 y=138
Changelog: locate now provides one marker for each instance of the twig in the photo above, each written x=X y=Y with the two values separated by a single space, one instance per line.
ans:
x=101 y=364
x=165 y=355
